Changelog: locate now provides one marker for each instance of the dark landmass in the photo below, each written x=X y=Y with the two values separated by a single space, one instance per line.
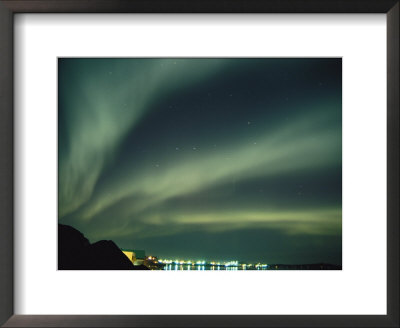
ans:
x=76 y=253
x=313 y=266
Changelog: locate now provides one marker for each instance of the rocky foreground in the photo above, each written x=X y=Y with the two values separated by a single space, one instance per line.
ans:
x=75 y=252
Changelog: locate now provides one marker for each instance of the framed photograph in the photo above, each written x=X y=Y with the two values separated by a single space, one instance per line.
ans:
x=215 y=163
x=199 y=164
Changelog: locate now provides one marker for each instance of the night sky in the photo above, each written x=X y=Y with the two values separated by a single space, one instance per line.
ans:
x=204 y=159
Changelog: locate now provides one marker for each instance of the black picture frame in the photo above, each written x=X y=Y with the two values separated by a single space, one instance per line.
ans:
x=10 y=7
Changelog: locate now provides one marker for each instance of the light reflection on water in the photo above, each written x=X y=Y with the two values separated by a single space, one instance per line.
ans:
x=176 y=267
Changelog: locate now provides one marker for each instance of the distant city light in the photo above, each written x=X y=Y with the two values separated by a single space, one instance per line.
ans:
x=202 y=265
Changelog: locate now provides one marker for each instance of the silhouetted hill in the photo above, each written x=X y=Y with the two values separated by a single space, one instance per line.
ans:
x=76 y=253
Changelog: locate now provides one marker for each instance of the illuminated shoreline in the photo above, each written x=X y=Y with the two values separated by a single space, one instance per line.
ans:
x=203 y=265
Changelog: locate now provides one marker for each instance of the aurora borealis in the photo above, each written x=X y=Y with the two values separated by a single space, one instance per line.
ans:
x=217 y=159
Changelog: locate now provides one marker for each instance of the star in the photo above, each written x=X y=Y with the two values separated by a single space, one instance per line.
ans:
x=177 y=148
x=194 y=148
x=248 y=123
